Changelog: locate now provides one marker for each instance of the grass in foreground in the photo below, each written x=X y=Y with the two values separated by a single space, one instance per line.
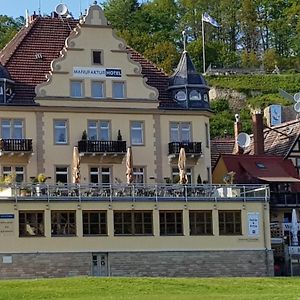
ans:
x=151 y=288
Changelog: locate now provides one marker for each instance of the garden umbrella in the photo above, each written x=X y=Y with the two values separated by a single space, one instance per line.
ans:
x=76 y=166
x=294 y=228
x=181 y=166
x=129 y=166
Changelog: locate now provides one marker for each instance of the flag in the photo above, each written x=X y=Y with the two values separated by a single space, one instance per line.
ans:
x=207 y=18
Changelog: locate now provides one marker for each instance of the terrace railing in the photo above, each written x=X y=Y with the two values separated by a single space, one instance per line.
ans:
x=16 y=145
x=189 y=147
x=133 y=192
x=285 y=199
x=101 y=146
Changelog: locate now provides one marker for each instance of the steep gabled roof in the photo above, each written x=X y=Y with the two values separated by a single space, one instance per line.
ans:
x=220 y=146
x=28 y=55
x=278 y=140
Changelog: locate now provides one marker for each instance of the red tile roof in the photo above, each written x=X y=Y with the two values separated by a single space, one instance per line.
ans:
x=250 y=168
x=220 y=146
x=46 y=36
x=278 y=140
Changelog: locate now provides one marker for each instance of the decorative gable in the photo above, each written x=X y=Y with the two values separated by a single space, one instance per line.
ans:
x=94 y=67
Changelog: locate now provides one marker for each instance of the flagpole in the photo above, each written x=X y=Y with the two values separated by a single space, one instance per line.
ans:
x=203 y=47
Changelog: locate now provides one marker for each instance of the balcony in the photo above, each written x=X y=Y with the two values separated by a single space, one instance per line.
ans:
x=15 y=146
x=285 y=199
x=193 y=151
x=133 y=192
x=109 y=151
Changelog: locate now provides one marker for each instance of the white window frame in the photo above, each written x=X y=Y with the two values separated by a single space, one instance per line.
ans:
x=100 y=172
x=74 y=95
x=99 y=129
x=59 y=127
x=178 y=130
x=140 y=130
x=114 y=96
x=13 y=170
x=139 y=172
x=12 y=126
x=189 y=173
x=66 y=172
x=93 y=82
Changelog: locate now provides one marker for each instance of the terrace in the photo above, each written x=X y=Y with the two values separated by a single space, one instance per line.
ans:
x=133 y=192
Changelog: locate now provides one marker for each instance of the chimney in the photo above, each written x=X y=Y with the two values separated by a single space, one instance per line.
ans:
x=258 y=133
x=237 y=129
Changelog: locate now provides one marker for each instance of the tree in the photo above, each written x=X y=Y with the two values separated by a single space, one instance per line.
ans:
x=8 y=28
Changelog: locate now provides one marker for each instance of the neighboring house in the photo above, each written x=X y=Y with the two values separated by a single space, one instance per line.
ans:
x=272 y=158
x=220 y=146
x=73 y=83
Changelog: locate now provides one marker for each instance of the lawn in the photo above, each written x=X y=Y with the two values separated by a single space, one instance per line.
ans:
x=151 y=288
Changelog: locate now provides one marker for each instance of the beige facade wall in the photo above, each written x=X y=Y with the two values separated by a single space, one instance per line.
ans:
x=12 y=243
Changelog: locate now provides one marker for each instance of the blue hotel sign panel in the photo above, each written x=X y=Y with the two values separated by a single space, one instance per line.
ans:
x=7 y=224
x=88 y=72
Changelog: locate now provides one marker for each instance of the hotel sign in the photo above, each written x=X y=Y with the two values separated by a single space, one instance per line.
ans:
x=88 y=72
x=7 y=224
x=253 y=224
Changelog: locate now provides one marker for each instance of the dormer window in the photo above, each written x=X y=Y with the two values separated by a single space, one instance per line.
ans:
x=205 y=97
x=180 y=96
x=195 y=95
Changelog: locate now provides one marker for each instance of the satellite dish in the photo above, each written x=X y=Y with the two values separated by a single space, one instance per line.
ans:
x=297 y=107
x=243 y=140
x=61 y=9
x=297 y=97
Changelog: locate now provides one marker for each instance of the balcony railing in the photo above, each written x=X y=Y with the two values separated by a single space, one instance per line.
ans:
x=133 y=192
x=16 y=145
x=189 y=147
x=284 y=199
x=102 y=146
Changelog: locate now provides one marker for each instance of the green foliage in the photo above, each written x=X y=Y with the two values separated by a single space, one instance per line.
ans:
x=219 y=105
x=263 y=83
x=262 y=101
x=270 y=59
x=8 y=28
x=221 y=124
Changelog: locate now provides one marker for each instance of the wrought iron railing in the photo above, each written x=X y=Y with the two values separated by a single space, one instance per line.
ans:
x=101 y=146
x=189 y=147
x=284 y=199
x=16 y=145
x=134 y=192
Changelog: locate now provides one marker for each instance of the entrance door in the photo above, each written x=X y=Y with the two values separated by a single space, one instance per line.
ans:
x=99 y=264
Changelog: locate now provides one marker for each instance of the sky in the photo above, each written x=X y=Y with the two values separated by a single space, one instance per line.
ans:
x=16 y=8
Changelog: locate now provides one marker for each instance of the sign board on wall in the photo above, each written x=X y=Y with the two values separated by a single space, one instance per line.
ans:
x=89 y=72
x=253 y=224
x=7 y=224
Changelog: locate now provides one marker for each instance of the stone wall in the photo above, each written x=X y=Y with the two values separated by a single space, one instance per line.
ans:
x=169 y=264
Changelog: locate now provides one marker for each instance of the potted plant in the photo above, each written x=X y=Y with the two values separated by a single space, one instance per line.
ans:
x=84 y=136
x=119 y=137
x=39 y=179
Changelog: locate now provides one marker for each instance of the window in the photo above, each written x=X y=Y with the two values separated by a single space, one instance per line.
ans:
x=76 y=89
x=12 y=129
x=230 y=223
x=17 y=170
x=100 y=175
x=195 y=95
x=200 y=222
x=61 y=174
x=260 y=165
x=170 y=223
x=60 y=131
x=205 y=97
x=98 y=130
x=97 y=89
x=175 y=175
x=94 y=222
x=180 y=96
x=138 y=174
x=137 y=133
x=207 y=138
x=118 y=90
x=97 y=57
x=31 y=223
x=180 y=132
x=63 y=223
x=133 y=223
